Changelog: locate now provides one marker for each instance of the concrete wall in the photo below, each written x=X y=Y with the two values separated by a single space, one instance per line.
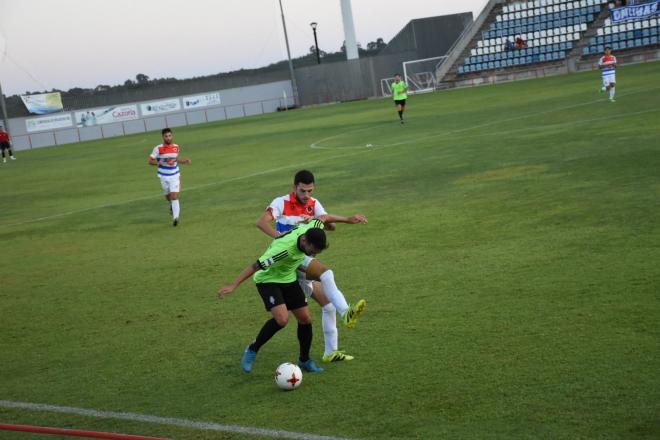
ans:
x=235 y=103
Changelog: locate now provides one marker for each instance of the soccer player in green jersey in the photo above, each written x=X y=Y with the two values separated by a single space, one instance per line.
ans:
x=275 y=275
x=300 y=207
x=399 y=89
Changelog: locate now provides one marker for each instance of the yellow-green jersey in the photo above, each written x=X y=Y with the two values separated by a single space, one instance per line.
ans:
x=399 y=90
x=282 y=258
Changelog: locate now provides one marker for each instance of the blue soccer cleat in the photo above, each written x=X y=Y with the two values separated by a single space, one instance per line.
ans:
x=248 y=359
x=310 y=366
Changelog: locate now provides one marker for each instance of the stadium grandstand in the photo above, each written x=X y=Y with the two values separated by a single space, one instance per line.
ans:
x=519 y=40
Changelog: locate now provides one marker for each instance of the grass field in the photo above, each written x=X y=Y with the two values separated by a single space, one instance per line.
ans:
x=510 y=265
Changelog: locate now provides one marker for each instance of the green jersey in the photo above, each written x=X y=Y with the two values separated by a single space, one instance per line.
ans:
x=282 y=258
x=399 y=90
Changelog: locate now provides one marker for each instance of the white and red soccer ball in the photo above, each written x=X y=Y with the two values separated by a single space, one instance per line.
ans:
x=288 y=376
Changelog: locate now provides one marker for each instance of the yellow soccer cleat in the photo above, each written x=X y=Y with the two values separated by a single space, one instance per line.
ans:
x=354 y=311
x=337 y=356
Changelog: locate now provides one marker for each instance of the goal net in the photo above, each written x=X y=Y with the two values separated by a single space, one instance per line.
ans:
x=420 y=75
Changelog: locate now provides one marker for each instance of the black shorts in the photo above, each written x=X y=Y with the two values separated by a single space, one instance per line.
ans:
x=400 y=102
x=4 y=146
x=274 y=294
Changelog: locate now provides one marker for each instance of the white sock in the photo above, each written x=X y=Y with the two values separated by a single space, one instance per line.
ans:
x=330 y=333
x=611 y=92
x=175 y=208
x=331 y=292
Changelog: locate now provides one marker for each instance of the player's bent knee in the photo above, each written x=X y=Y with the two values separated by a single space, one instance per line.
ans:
x=315 y=270
x=305 y=319
x=282 y=321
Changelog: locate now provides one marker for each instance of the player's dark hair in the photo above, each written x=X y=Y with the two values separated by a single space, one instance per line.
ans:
x=316 y=237
x=397 y=74
x=303 y=176
x=165 y=130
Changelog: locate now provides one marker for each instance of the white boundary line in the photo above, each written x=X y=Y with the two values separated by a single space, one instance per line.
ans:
x=356 y=149
x=315 y=145
x=190 y=188
x=168 y=421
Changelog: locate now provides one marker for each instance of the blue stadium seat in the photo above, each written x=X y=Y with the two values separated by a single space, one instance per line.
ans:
x=654 y=39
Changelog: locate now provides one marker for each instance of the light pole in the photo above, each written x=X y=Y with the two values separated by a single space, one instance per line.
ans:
x=294 y=86
x=316 y=41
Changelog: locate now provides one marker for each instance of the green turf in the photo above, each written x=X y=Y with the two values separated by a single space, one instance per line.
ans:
x=510 y=266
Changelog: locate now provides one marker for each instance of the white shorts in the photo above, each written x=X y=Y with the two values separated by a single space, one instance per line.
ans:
x=609 y=79
x=170 y=184
x=305 y=284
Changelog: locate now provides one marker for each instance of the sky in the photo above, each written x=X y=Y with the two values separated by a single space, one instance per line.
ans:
x=61 y=44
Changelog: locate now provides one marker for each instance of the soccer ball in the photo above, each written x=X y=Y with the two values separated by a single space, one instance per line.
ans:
x=288 y=376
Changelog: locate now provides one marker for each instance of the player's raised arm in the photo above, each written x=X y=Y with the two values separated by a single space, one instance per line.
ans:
x=244 y=275
x=352 y=220
x=265 y=223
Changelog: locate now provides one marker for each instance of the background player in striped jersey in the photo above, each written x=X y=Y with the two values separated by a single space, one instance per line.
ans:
x=166 y=157
x=298 y=207
x=607 y=64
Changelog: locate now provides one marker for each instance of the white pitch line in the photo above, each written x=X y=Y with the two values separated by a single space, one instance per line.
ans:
x=315 y=145
x=191 y=188
x=167 y=421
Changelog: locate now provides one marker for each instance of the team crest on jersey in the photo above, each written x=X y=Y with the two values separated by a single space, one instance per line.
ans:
x=309 y=209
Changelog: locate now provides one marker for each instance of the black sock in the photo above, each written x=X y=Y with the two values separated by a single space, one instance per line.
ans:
x=400 y=114
x=267 y=331
x=305 y=339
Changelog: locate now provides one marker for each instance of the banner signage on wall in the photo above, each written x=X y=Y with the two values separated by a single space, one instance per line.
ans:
x=49 y=122
x=205 y=100
x=156 y=107
x=106 y=115
x=43 y=103
x=637 y=12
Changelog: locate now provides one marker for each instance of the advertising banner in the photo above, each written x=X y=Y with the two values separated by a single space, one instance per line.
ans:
x=49 y=122
x=43 y=103
x=205 y=100
x=156 y=107
x=638 y=12
x=106 y=115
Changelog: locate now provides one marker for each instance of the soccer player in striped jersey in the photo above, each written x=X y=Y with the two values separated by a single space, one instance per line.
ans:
x=607 y=64
x=166 y=157
x=275 y=276
x=316 y=280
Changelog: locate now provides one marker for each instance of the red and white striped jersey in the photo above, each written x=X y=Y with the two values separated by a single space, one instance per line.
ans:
x=170 y=153
x=607 y=63
x=288 y=211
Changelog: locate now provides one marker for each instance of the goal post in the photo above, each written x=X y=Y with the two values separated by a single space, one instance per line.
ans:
x=420 y=75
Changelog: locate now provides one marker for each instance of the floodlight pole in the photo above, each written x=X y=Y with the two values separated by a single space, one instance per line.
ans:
x=294 y=86
x=5 y=121
x=316 y=42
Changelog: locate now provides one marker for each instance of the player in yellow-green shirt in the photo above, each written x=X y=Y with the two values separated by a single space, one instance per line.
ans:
x=399 y=89
x=275 y=275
